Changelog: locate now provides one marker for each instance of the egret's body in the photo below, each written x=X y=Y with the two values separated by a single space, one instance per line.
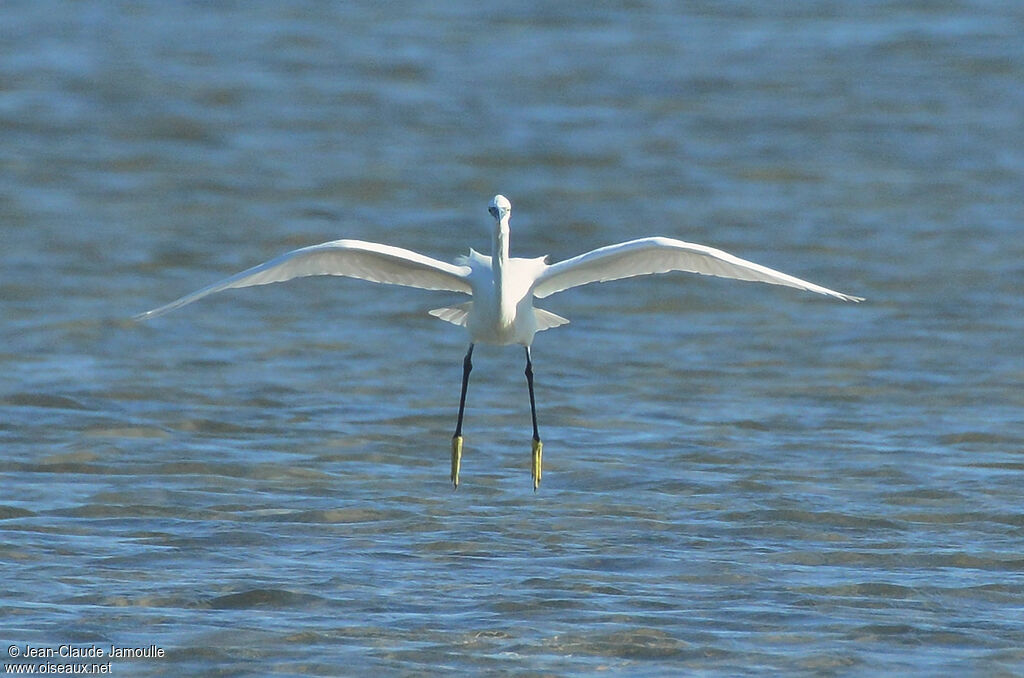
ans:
x=502 y=288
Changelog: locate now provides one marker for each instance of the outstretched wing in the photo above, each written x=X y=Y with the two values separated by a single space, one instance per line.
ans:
x=351 y=258
x=660 y=255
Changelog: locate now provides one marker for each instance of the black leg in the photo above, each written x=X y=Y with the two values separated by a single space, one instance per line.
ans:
x=537 y=446
x=529 y=384
x=467 y=367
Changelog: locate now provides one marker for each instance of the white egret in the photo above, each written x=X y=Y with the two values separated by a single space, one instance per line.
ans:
x=502 y=288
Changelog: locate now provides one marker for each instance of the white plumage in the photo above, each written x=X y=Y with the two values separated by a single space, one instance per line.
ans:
x=502 y=288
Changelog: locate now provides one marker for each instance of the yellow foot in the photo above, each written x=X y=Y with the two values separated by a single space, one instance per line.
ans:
x=456 y=459
x=535 y=468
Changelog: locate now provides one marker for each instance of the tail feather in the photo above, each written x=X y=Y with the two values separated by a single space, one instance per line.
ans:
x=456 y=315
x=546 y=319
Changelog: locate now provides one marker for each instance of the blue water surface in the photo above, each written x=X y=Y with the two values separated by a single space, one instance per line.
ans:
x=739 y=479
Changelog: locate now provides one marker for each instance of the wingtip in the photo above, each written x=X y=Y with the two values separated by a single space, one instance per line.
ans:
x=150 y=314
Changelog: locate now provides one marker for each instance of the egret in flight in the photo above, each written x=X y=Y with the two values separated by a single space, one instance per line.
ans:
x=502 y=288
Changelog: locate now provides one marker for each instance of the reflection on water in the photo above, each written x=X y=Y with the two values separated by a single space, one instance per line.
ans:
x=737 y=477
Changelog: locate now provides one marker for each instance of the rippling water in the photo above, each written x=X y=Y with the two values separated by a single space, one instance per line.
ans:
x=739 y=479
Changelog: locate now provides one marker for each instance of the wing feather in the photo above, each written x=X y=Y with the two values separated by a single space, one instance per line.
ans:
x=660 y=255
x=350 y=258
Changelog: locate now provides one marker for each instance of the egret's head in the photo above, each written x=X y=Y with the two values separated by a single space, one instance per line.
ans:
x=500 y=208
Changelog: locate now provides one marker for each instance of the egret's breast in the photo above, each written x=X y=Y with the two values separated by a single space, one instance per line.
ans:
x=505 y=316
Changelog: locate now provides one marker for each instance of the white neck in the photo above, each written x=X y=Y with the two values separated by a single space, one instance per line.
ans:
x=499 y=244
x=499 y=260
